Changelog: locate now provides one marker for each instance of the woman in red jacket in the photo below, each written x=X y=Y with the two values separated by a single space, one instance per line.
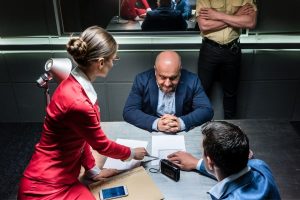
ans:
x=72 y=125
x=129 y=9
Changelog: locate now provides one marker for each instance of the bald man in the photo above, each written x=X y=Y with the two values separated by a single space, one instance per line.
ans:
x=167 y=98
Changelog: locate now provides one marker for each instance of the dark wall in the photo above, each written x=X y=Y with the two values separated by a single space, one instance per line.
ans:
x=26 y=18
x=77 y=15
x=269 y=84
x=278 y=16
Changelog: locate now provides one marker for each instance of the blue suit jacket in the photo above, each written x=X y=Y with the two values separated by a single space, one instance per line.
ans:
x=191 y=103
x=257 y=184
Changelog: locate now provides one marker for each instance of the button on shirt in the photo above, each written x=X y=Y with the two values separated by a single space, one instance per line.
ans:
x=166 y=105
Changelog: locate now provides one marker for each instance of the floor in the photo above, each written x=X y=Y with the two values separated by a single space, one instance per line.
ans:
x=275 y=141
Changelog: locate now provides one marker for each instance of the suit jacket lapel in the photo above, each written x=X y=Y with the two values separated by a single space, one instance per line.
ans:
x=179 y=96
x=153 y=88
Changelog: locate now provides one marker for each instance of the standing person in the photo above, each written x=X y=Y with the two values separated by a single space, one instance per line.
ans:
x=220 y=23
x=167 y=98
x=227 y=158
x=130 y=11
x=72 y=125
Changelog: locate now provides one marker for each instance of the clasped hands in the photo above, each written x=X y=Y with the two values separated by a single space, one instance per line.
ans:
x=168 y=124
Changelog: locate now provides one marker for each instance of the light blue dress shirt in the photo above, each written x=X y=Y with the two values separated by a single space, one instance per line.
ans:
x=255 y=182
x=166 y=105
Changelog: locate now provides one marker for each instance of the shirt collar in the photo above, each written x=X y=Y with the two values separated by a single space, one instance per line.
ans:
x=85 y=83
x=218 y=190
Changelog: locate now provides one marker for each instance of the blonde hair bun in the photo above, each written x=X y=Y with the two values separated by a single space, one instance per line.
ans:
x=77 y=48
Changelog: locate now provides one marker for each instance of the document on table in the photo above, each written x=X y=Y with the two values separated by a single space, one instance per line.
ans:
x=125 y=165
x=163 y=145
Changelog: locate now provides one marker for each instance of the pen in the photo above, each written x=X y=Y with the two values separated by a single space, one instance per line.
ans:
x=152 y=157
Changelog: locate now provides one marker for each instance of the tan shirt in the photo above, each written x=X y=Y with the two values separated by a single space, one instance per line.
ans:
x=227 y=34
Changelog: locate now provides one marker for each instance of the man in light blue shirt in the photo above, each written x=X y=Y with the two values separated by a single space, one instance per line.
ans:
x=226 y=158
x=167 y=98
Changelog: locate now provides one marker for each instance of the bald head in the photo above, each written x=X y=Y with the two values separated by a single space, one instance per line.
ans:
x=168 y=59
x=167 y=70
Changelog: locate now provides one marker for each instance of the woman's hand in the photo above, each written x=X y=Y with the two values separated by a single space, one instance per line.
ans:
x=139 y=153
x=105 y=173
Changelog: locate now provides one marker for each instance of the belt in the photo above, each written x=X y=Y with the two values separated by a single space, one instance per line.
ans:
x=225 y=46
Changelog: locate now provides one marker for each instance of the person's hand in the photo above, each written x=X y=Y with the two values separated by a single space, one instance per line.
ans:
x=105 y=173
x=137 y=18
x=183 y=160
x=139 y=153
x=169 y=124
x=210 y=14
x=143 y=16
x=245 y=10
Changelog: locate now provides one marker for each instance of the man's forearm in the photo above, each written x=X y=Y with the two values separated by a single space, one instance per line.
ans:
x=207 y=26
x=240 y=21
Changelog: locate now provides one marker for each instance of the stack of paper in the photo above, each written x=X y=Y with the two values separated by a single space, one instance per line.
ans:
x=164 y=145
x=120 y=165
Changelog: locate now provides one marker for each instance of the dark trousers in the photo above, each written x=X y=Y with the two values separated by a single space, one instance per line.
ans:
x=223 y=62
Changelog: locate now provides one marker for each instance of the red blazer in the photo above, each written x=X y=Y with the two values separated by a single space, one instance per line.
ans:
x=71 y=126
x=129 y=9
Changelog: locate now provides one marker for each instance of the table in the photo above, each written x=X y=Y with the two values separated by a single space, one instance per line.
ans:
x=274 y=141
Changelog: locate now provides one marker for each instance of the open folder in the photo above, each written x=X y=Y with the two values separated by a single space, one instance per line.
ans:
x=139 y=184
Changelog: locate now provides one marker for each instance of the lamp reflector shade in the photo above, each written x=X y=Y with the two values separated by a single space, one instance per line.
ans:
x=59 y=68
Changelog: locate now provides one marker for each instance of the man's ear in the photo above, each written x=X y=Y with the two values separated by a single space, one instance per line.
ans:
x=210 y=163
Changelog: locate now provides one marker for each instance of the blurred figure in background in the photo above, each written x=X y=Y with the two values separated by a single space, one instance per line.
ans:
x=131 y=11
x=184 y=7
x=164 y=18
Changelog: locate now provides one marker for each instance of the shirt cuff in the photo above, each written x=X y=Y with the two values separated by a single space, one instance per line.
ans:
x=199 y=164
x=131 y=155
x=182 y=124
x=154 y=125
x=149 y=9
x=91 y=173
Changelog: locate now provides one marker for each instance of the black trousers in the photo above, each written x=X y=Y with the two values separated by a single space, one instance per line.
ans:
x=221 y=62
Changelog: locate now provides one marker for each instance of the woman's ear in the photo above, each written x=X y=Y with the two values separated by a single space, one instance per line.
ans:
x=101 y=63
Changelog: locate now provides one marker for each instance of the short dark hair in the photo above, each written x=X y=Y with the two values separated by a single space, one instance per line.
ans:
x=226 y=145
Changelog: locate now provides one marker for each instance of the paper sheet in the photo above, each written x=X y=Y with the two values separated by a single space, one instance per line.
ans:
x=120 y=165
x=163 y=145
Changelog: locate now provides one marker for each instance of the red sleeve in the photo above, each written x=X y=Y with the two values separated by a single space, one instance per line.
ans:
x=85 y=120
x=128 y=9
x=145 y=3
x=87 y=158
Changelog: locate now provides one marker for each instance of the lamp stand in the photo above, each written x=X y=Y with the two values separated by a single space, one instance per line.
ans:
x=47 y=95
x=119 y=20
